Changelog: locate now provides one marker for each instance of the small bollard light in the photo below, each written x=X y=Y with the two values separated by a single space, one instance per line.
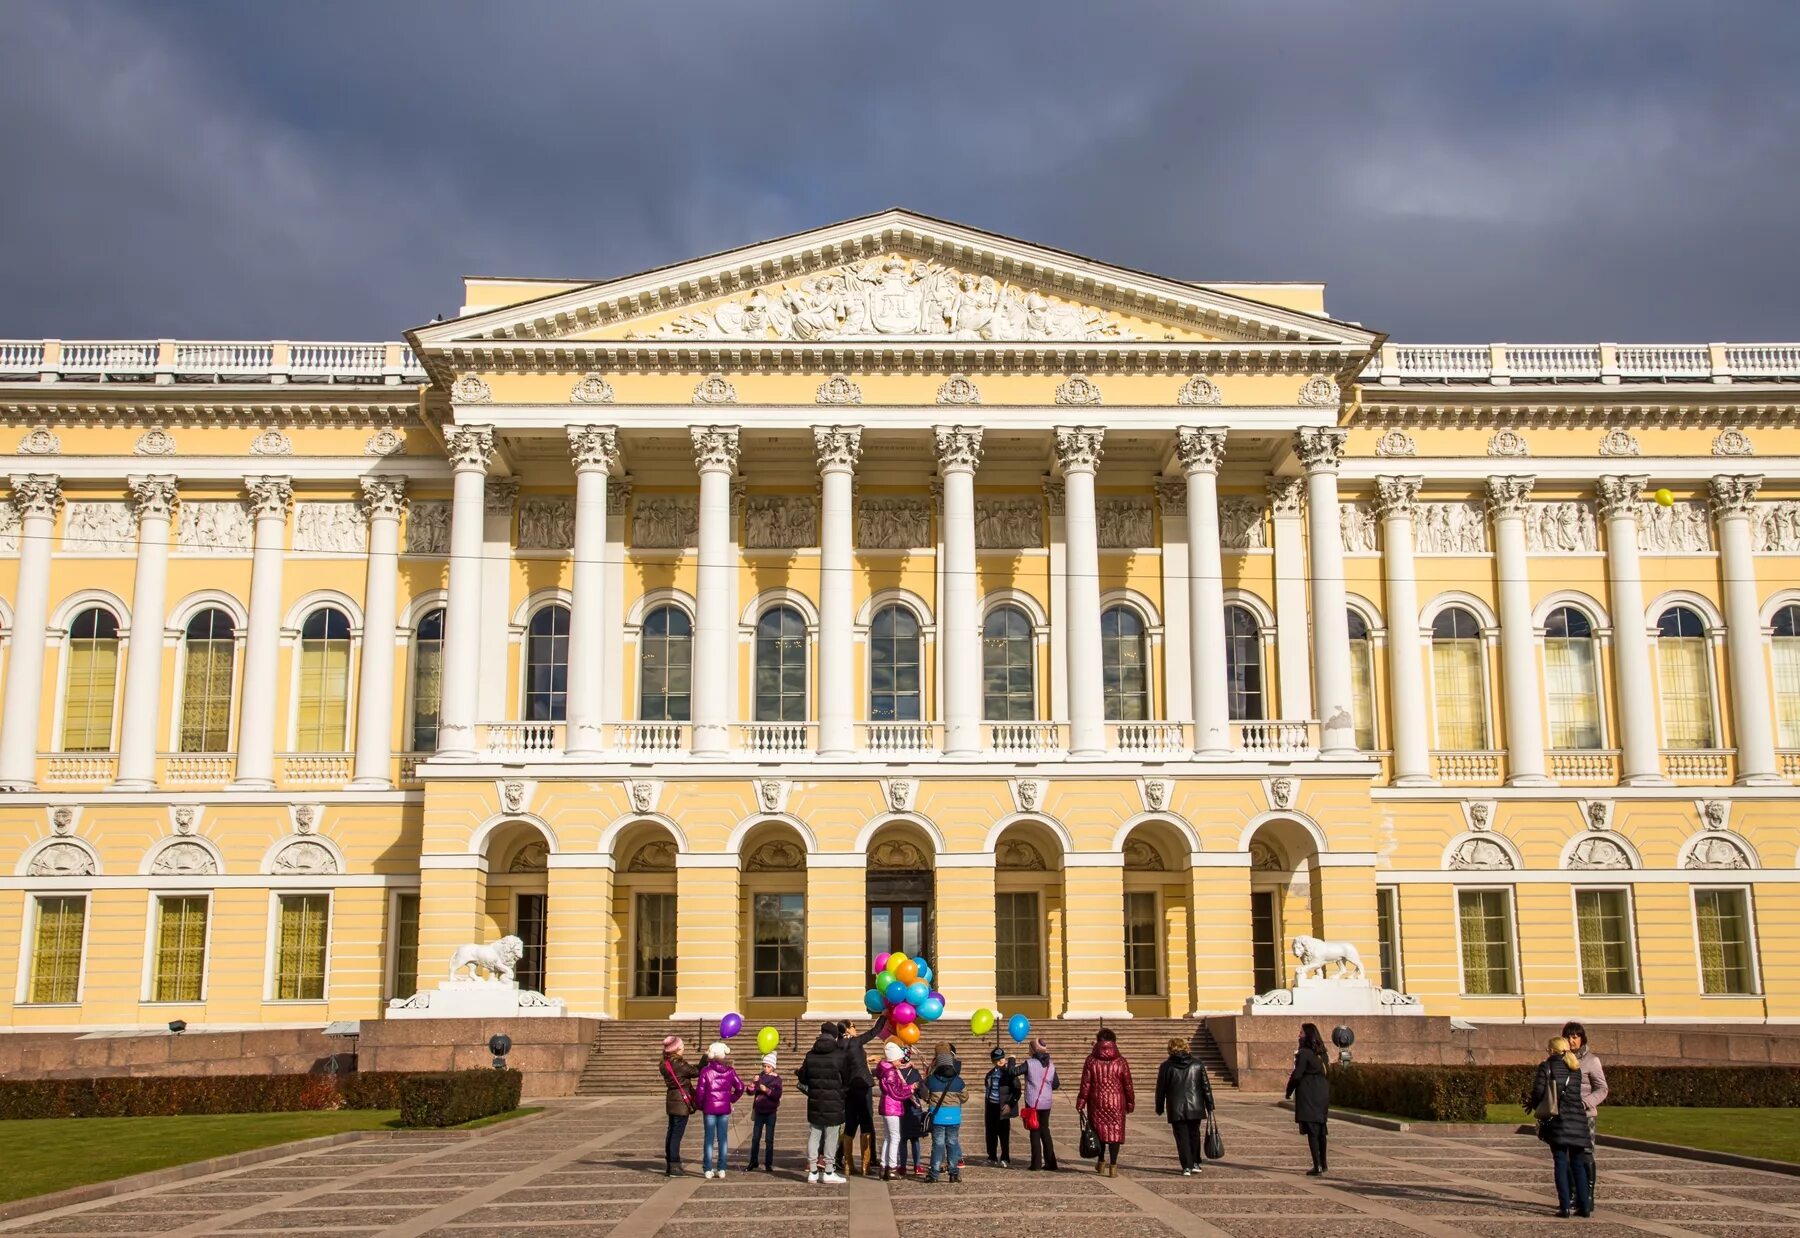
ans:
x=499 y=1044
x=178 y=1025
x=1343 y=1038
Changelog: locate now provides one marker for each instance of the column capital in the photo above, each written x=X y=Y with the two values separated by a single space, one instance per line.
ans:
x=1320 y=447
x=1078 y=448
x=593 y=447
x=1618 y=495
x=469 y=447
x=715 y=448
x=1173 y=496
x=1285 y=494
x=36 y=494
x=152 y=495
x=384 y=496
x=269 y=496
x=1735 y=494
x=958 y=448
x=1397 y=495
x=837 y=447
x=1200 y=448
x=1508 y=494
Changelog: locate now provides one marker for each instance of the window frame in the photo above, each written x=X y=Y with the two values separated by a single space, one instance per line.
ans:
x=918 y=640
x=152 y=925
x=1030 y=641
x=637 y=936
x=779 y=893
x=1159 y=943
x=1365 y=647
x=1752 y=947
x=1635 y=978
x=391 y=976
x=807 y=651
x=432 y=606
x=177 y=722
x=1597 y=665
x=637 y=680
x=1777 y=642
x=1389 y=896
x=272 y=946
x=1709 y=637
x=351 y=671
x=65 y=639
x=518 y=930
x=1107 y=607
x=1256 y=641
x=1483 y=639
x=1509 y=893
x=1040 y=923
x=526 y=637
x=27 y=972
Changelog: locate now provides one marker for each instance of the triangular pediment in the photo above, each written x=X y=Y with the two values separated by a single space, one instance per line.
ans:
x=886 y=279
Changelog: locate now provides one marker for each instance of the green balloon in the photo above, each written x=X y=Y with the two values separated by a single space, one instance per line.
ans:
x=982 y=1021
x=767 y=1040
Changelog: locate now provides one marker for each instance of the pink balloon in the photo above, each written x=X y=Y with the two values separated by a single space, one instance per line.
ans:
x=903 y=1013
x=881 y=960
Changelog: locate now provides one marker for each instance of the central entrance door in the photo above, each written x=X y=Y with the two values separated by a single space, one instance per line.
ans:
x=899 y=915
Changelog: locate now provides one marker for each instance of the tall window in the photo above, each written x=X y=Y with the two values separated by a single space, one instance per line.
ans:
x=324 y=682
x=1572 y=680
x=209 y=647
x=93 y=675
x=778 y=945
x=1143 y=940
x=1722 y=918
x=547 y=665
x=406 y=945
x=1243 y=664
x=665 y=666
x=1018 y=944
x=894 y=691
x=1362 y=680
x=1487 y=941
x=1683 y=660
x=1459 y=684
x=653 y=954
x=1125 y=665
x=1787 y=675
x=1603 y=929
x=781 y=666
x=532 y=924
x=56 y=948
x=179 y=974
x=428 y=680
x=305 y=930
x=1008 y=688
x=1387 y=928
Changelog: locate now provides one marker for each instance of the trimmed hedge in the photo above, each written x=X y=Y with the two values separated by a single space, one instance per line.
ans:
x=1429 y=1093
x=452 y=1097
x=144 y=1096
x=1462 y=1093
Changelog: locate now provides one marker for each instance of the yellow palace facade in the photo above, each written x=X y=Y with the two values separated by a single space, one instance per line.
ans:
x=897 y=586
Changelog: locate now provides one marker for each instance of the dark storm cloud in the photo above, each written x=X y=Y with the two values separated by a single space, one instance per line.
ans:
x=1617 y=170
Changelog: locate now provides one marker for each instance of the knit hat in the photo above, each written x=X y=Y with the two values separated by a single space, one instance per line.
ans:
x=769 y=1060
x=718 y=1051
x=1039 y=1045
x=672 y=1045
x=998 y=1055
x=896 y=1052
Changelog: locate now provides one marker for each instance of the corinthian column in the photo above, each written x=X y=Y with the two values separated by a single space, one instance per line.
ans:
x=270 y=498
x=154 y=504
x=1507 y=497
x=1078 y=457
x=384 y=499
x=35 y=499
x=1286 y=515
x=594 y=450
x=1733 y=505
x=959 y=455
x=1201 y=451
x=470 y=448
x=716 y=456
x=839 y=448
x=1394 y=499
x=1320 y=448
x=1638 y=761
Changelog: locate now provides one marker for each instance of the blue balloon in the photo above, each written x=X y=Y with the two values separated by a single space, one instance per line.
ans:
x=872 y=1002
x=924 y=970
x=930 y=1010
x=896 y=993
x=1019 y=1028
x=917 y=992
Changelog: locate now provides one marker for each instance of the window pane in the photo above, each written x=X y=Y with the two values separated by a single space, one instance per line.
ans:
x=428 y=681
x=1722 y=918
x=93 y=670
x=1387 y=925
x=324 y=705
x=1572 y=691
x=1243 y=665
x=1686 y=691
x=1486 y=918
x=1362 y=688
x=894 y=666
x=1143 y=973
x=1602 y=927
x=1787 y=676
x=653 y=962
x=532 y=929
x=778 y=945
x=1459 y=690
x=547 y=666
x=1123 y=661
x=406 y=945
x=1018 y=957
x=781 y=666
x=1006 y=667
x=665 y=653
x=56 y=951
x=300 y=953
x=180 y=949
x=209 y=650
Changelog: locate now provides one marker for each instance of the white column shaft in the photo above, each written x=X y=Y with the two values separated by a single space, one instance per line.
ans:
x=1291 y=655
x=837 y=614
x=141 y=723
x=25 y=664
x=462 y=612
x=1206 y=617
x=381 y=619
x=1406 y=669
x=262 y=643
x=1639 y=761
x=1087 y=706
x=588 y=613
x=1751 y=721
x=1518 y=654
x=1330 y=626
x=962 y=624
x=712 y=625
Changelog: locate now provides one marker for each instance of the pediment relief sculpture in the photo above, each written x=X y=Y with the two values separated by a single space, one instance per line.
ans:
x=656 y=856
x=428 y=528
x=62 y=860
x=304 y=857
x=1358 y=527
x=1599 y=852
x=546 y=524
x=1124 y=523
x=1450 y=529
x=776 y=855
x=1008 y=524
x=665 y=521
x=330 y=527
x=184 y=859
x=102 y=528
x=1681 y=528
x=1480 y=855
x=1242 y=524
x=1717 y=851
x=1019 y=855
x=1141 y=856
x=1775 y=528
x=898 y=854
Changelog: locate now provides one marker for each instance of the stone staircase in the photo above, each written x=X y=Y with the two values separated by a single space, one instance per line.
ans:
x=622 y=1060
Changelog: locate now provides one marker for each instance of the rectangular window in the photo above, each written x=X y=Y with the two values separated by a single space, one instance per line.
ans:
x=304 y=930
x=1362 y=693
x=324 y=696
x=1786 y=656
x=532 y=925
x=180 y=971
x=88 y=704
x=428 y=693
x=653 y=961
x=56 y=948
x=1603 y=930
x=406 y=945
x=1143 y=939
x=1265 y=955
x=1722 y=918
x=1460 y=694
x=1018 y=945
x=1387 y=927
x=1686 y=691
x=778 y=945
x=206 y=696
x=1572 y=691
x=1487 y=942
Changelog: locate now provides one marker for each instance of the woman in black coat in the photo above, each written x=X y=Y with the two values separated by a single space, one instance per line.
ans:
x=1563 y=1124
x=1185 y=1093
x=1311 y=1094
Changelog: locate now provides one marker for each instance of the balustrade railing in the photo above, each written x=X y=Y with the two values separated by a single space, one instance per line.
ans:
x=650 y=739
x=1280 y=737
x=21 y=356
x=899 y=738
x=1484 y=767
x=519 y=739
x=1584 y=765
x=406 y=769
x=79 y=769
x=775 y=739
x=316 y=769
x=171 y=361
x=1787 y=762
x=198 y=769
x=1612 y=363
x=1149 y=739
x=1024 y=738
x=1698 y=764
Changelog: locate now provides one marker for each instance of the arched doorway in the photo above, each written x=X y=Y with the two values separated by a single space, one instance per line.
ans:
x=901 y=892
x=1029 y=967
x=644 y=909
x=518 y=896
x=1284 y=897
x=1158 y=966
x=772 y=922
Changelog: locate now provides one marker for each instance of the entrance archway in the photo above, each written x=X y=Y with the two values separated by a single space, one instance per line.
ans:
x=518 y=895
x=1029 y=968
x=1158 y=918
x=901 y=892
x=1284 y=897
x=772 y=920
x=644 y=908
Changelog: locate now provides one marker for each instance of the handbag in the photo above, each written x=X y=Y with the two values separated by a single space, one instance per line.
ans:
x=1030 y=1113
x=1547 y=1106
x=1090 y=1142
x=1213 y=1146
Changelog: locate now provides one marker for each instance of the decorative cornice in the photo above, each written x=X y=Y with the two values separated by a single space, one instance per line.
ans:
x=384 y=497
x=958 y=447
x=1199 y=392
x=36 y=494
x=1320 y=391
x=593 y=447
x=1078 y=448
x=1201 y=449
x=715 y=447
x=592 y=389
x=1617 y=495
x=1077 y=389
x=837 y=447
x=1735 y=494
x=1508 y=494
x=1320 y=447
x=838 y=389
x=152 y=495
x=469 y=447
x=1285 y=494
x=1397 y=496
x=269 y=496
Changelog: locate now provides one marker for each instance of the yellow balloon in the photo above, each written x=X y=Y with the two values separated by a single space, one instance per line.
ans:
x=982 y=1022
x=1665 y=498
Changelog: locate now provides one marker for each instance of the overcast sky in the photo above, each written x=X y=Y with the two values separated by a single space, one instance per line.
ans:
x=1521 y=171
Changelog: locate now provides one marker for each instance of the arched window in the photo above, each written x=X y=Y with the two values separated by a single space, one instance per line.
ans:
x=324 y=682
x=93 y=676
x=1685 y=672
x=547 y=665
x=1125 y=665
x=894 y=676
x=665 y=666
x=1243 y=665
x=1362 y=680
x=1459 y=682
x=1787 y=675
x=781 y=666
x=1572 y=680
x=427 y=680
x=209 y=647
x=1008 y=680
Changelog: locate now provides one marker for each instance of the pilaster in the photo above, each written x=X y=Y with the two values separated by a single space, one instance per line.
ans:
x=581 y=936
x=1094 y=936
x=1219 y=898
x=837 y=937
x=707 y=943
x=964 y=965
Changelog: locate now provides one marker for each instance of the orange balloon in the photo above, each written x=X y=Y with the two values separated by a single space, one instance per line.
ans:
x=907 y=1033
x=906 y=972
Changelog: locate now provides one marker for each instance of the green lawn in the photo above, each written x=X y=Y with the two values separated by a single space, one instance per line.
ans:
x=1773 y=1134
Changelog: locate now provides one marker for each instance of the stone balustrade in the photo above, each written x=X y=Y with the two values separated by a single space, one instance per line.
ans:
x=1501 y=364
x=209 y=361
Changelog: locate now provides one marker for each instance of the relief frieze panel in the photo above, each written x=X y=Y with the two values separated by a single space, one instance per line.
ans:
x=1009 y=524
x=665 y=521
x=780 y=522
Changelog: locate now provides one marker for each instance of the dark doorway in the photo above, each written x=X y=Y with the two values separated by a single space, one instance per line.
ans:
x=533 y=920
x=1265 y=957
x=900 y=915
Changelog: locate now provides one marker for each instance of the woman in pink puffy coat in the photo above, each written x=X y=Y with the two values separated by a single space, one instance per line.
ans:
x=717 y=1089
x=896 y=1093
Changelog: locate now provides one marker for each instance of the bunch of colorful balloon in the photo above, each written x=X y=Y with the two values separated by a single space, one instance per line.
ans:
x=903 y=994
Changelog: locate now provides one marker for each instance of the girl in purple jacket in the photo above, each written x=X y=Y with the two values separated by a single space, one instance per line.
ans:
x=767 y=1090
x=717 y=1090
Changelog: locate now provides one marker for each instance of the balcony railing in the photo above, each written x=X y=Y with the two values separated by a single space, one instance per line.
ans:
x=1787 y=762
x=650 y=740
x=519 y=739
x=1025 y=739
x=315 y=769
x=198 y=769
x=1279 y=738
x=1698 y=764
x=1584 y=765
x=899 y=738
x=1484 y=767
x=1500 y=364
x=209 y=361
x=1148 y=739
x=79 y=769
x=775 y=739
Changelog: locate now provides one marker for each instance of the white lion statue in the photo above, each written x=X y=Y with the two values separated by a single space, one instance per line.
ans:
x=1316 y=955
x=497 y=959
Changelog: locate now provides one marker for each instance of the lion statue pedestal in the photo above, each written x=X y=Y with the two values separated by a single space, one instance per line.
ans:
x=1347 y=990
x=468 y=994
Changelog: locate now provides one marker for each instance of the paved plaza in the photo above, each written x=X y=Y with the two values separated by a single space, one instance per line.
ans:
x=589 y=1168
